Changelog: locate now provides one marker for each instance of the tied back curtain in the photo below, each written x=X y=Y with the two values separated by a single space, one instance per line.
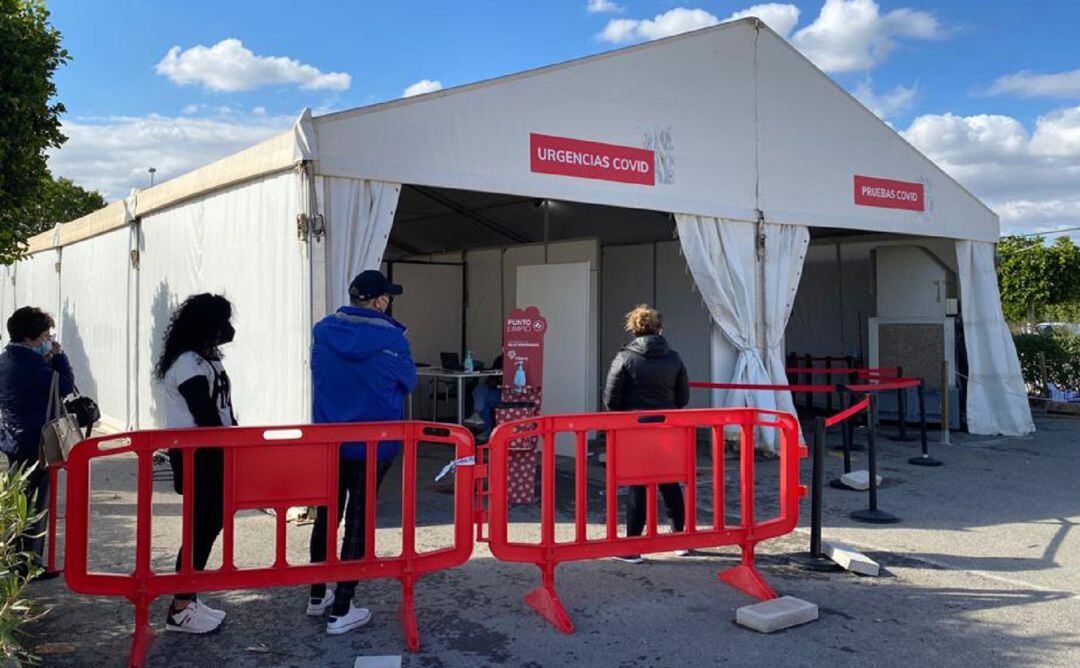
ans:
x=996 y=396
x=359 y=215
x=785 y=255
x=749 y=302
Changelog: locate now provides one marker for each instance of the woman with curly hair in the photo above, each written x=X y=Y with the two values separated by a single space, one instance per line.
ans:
x=648 y=375
x=197 y=393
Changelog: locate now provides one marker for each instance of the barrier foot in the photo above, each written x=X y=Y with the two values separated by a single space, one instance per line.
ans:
x=748 y=580
x=141 y=639
x=407 y=616
x=546 y=601
x=874 y=517
x=925 y=460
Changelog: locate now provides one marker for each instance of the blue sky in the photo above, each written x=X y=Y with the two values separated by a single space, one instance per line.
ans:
x=177 y=84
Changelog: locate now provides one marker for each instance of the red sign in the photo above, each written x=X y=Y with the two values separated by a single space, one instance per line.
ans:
x=523 y=343
x=591 y=160
x=889 y=194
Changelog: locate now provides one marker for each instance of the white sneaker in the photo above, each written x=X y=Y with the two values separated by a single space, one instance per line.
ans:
x=317 y=606
x=213 y=612
x=192 y=619
x=683 y=553
x=630 y=559
x=353 y=619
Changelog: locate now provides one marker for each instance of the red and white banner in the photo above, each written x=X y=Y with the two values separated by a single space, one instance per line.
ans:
x=889 y=194
x=591 y=160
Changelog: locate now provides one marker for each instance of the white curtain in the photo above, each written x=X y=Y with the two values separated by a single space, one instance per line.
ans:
x=785 y=254
x=359 y=215
x=722 y=257
x=996 y=397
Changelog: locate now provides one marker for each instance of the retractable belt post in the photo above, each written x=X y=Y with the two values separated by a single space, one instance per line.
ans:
x=816 y=561
x=924 y=459
x=901 y=409
x=873 y=515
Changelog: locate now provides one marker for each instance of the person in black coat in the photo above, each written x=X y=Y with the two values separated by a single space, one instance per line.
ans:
x=648 y=375
x=27 y=366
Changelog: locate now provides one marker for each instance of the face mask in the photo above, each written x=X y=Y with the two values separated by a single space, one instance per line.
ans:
x=43 y=348
x=228 y=333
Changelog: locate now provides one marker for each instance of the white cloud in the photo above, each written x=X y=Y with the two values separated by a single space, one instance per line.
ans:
x=888 y=104
x=602 y=7
x=846 y=36
x=112 y=154
x=191 y=109
x=672 y=22
x=1029 y=84
x=853 y=35
x=781 y=18
x=1029 y=178
x=230 y=66
x=421 y=87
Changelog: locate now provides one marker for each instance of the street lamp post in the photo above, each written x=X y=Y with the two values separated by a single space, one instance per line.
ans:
x=152 y=170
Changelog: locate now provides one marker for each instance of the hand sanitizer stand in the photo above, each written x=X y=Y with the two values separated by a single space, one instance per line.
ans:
x=523 y=341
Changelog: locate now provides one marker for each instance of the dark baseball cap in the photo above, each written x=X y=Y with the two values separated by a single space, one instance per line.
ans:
x=371 y=284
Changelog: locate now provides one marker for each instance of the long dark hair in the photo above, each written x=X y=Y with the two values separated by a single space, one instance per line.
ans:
x=195 y=327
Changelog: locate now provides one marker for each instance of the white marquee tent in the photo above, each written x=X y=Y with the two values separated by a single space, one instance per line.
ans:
x=728 y=131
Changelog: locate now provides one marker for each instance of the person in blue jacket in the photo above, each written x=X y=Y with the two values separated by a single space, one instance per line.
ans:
x=27 y=366
x=362 y=371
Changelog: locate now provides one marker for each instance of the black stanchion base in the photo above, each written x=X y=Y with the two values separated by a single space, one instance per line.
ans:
x=925 y=460
x=874 y=517
x=820 y=564
x=837 y=483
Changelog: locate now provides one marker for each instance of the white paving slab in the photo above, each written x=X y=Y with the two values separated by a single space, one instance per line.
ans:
x=777 y=614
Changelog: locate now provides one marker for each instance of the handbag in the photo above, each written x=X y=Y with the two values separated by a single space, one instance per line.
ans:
x=61 y=431
x=84 y=409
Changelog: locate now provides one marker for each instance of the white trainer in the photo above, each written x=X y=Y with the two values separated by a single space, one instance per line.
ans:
x=683 y=553
x=353 y=619
x=213 y=612
x=192 y=619
x=317 y=606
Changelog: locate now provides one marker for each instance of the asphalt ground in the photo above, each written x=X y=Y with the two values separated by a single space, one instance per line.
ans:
x=984 y=569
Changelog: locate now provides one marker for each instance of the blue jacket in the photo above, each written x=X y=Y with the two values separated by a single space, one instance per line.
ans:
x=361 y=371
x=25 y=379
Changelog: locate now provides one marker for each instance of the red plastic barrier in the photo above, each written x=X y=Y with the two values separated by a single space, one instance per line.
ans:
x=749 y=386
x=277 y=467
x=847 y=412
x=54 y=515
x=644 y=448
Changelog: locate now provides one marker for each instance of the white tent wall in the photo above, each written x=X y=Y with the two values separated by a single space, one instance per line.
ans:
x=997 y=400
x=7 y=293
x=94 y=318
x=815 y=138
x=37 y=282
x=430 y=308
x=240 y=242
x=485 y=315
x=656 y=274
x=695 y=89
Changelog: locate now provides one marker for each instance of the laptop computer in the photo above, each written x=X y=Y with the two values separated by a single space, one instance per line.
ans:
x=450 y=361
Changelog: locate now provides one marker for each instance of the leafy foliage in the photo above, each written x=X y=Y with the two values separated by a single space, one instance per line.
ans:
x=1061 y=350
x=60 y=200
x=29 y=116
x=16 y=568
x=1034 y=275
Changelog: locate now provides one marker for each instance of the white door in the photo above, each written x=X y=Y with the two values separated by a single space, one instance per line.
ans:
x=561 y=292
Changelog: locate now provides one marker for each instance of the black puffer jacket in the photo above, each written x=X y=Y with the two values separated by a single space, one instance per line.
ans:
x=646 y=375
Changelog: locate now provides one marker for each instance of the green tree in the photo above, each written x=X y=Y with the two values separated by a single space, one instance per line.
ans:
x=30 y=52
x=60 y=200
x=1035 y=275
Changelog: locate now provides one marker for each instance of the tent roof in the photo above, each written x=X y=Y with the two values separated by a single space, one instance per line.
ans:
x=739 y=122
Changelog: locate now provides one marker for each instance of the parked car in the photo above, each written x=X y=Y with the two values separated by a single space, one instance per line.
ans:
x=1047 y=327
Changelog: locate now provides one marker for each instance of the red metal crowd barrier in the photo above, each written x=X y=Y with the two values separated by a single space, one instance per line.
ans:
x=277 y=468
x=644 y=448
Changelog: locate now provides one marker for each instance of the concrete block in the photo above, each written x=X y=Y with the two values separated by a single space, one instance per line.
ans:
x=378 y=662
x=858 y=479
x=850 y=559
x=777 y=614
